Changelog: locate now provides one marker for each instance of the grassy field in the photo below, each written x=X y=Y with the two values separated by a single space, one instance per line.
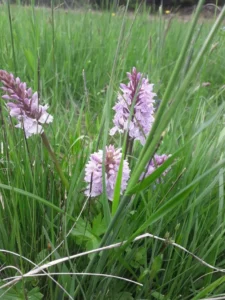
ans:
x=76 y=61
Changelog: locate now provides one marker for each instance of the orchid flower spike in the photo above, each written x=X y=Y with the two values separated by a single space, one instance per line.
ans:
x=139 y=95
x=23 y=105
x=93 y=172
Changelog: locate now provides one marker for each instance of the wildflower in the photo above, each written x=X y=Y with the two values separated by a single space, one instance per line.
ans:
x=140 y=123
x=113 y=14
x=156 y=162
x=167 y=12
x=93 y=172
x=24 y=105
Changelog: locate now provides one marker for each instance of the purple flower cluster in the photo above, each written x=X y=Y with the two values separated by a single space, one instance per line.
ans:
x=134 y=113
x=93 y=172
x=140 y=122
x=24 y=105
x=156 y=162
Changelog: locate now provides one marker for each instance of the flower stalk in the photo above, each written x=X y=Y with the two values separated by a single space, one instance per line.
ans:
x=24 y=105
x=54 y=159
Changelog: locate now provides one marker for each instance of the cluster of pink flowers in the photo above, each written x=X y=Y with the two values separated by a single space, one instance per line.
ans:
x=24 y=105
x=138 y=94
x=156 y=162
x=93 y=172
x=134 y=113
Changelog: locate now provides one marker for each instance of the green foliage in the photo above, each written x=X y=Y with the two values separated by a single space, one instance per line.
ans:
x=90 y=234
x=20 y=293
x=187 y=206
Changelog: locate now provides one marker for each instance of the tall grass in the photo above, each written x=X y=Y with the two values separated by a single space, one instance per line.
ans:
x=76 y=59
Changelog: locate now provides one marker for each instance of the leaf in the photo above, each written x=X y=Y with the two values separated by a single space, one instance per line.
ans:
x=30 y=59
x=99 y=225
x=210 y=288
x=156 y=266
x=221 y=136
x=85 y=234
x=34 y=197
x=177 y=199
x=159 y=296
x=83 y=229
x=92 y=243
x=41 y=256
x=116 y=196
x=35 y=294
x=140 y=256
x=17 y=293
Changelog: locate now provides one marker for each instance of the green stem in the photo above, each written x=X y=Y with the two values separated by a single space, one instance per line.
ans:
x=53 y=33
x=53 y=156
x=11 y=34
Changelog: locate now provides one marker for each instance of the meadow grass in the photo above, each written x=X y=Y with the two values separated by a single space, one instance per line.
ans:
x=76 y=60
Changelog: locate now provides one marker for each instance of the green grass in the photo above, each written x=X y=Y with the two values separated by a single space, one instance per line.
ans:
x=188 y=206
